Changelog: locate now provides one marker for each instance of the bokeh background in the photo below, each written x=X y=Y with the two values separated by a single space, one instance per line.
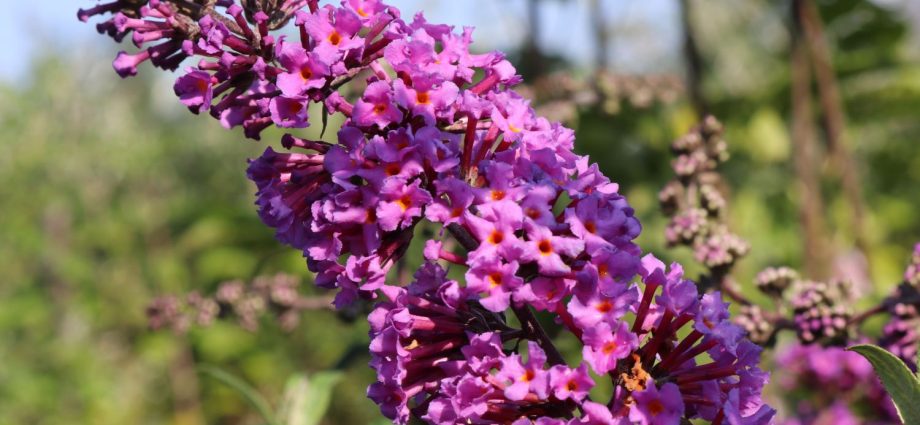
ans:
x=112 y=194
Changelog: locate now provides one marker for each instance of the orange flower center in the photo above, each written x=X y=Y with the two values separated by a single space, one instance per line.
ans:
x=335 y=38
x=306 y=73
x=590 y=227
x=655 y=407
x=496 y=237
x=294 y=107
x=602 y=270
x=498 y=195
x=495 y=279
x=609 y=347
x=422 y=98
x=545 y=247
x=392 y=169
x=380 y=108
x=604 y=306
x=405 y=202
x=528 y=376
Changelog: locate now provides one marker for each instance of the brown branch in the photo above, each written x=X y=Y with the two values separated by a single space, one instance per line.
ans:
x=727 y=285
x=601 y=37
x=885 y=305
x=314 y=303
x=811 y=207
x=834 y=117
x=466 y=240
x=694 y=62
x=535 y=331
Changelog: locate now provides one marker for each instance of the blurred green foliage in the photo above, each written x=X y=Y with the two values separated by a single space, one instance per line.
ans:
x=112 y=194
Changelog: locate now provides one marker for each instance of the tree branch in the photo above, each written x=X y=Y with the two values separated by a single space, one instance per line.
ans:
x=811 y=208
x=834 y=117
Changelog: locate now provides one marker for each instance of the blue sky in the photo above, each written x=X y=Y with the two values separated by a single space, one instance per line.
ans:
x=648 y=26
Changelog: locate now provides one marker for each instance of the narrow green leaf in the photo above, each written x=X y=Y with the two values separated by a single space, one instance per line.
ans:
x=325 y=121
x=307 y=399
x=898 y=380
x=245 y=390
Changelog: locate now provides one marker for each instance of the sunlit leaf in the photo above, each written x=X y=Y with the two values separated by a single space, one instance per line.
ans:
x=898 y=380
x=306 y=399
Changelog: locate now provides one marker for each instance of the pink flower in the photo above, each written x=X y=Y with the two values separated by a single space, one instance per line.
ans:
x=376 y=107
x=548 y=249
x=401 y=203
x=305 y=70
x=657 y=407
x=496 y=279
x=604 y=346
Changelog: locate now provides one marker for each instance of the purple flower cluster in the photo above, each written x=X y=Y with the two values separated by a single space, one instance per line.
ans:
x=444 y=358
x=829 y=385
x=901 y=335
x=436 y=137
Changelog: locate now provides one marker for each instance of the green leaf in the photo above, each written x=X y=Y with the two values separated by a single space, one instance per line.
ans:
x=898 y=380
x=307 y=399
x=245 y=390
x=325 y=120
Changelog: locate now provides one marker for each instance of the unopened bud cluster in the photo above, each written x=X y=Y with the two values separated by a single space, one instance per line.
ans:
x=693 y=201
x=274 y=296
x=774 y=281
x=821 y=311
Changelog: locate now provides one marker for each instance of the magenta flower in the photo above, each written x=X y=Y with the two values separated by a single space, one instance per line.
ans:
x=568 y=383
x=525 y=378
x=401 y=202
x=595 y=222
x=595 y=414
x=194 y=90
x=335 y=32
x=598 y=307
x=495 y=230
x=495 y=279
x=376 y=107
x=513 y=117
x=604 y=345
x=365 y=9
x=609 y=270
x=537 y=204
x=548 y=250
x=544 y=293
x=657 y=407
x=426 y=98
x=305 y=70
x=289 y=112
x=456 y=200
